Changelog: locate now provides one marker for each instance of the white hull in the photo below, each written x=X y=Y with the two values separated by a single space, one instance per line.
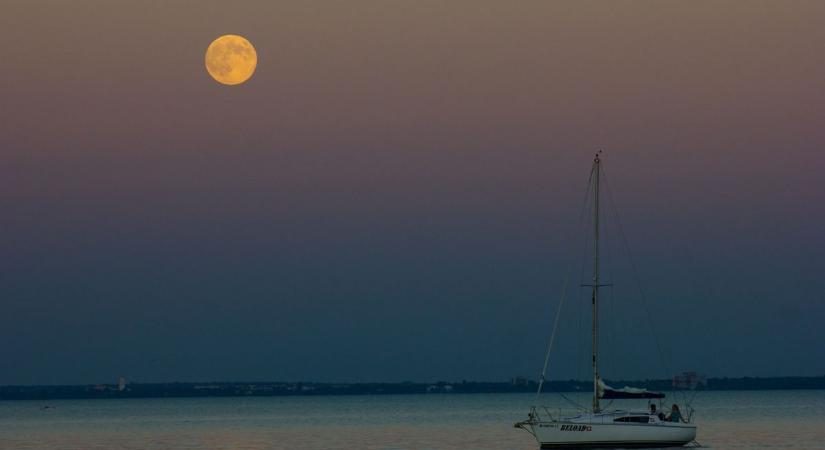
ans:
x=601 y=431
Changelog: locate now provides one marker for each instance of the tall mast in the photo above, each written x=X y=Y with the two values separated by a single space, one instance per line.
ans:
x=596 y=162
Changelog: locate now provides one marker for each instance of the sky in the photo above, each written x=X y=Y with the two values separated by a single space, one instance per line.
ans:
x=394 y=194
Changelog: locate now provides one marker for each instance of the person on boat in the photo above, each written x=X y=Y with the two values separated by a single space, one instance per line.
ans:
x=654 y=413
x=675 y=415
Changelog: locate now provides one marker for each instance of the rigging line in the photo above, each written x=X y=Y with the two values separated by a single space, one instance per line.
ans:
x=694 y=283
x=563 y=293
x=574 y=403
x=609 y=302
x=609 y=190
x=580 y=362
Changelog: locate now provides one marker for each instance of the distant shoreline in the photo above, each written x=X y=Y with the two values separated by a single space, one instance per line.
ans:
x=268 y=389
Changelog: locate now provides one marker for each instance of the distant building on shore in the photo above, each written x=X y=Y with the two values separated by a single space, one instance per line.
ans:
x=520 y=381
x=689 y=380
x=442 y=387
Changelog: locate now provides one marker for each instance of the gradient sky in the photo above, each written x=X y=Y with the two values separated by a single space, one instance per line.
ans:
x=392 y=195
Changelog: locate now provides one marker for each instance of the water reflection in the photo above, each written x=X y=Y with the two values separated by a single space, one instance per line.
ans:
x=743 y=420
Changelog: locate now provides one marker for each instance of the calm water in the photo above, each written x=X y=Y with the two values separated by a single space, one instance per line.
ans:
x=735 y=420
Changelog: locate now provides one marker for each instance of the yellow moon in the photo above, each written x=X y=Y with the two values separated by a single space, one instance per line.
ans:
x=231 y=59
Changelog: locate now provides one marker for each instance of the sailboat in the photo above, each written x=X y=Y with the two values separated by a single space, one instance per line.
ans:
x=595 y=427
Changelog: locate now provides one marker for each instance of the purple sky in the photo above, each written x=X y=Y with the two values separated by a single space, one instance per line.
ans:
x=392 y=195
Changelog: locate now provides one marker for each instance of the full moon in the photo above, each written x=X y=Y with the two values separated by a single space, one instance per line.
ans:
x=231 y=59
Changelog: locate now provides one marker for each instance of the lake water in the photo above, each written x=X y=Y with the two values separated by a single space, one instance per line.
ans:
x=727 y=420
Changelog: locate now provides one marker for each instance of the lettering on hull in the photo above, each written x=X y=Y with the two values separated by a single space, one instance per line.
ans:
x=575 y=428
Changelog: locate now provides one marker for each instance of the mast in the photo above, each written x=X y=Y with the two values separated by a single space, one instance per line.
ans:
x=596 y=163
